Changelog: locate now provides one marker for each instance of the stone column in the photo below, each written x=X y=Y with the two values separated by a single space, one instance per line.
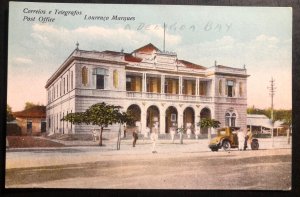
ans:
x=197 y=86
x=197 y=119
x=162 y=84
x=162 y=121
x=180 y=119
x=144 y=89
x=180 y=85
x=143 y=118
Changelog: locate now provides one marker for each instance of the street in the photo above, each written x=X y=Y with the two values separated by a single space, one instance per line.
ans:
x=176 y=166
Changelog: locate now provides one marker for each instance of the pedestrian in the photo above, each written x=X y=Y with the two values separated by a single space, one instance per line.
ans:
x=248 y=136
x=95 y=134
x=124 y=132
x=241 y=138
x=154 y=137
x=172 y=131
x=135 y=137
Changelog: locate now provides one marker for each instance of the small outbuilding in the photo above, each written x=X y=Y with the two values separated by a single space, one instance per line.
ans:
x=32 y=121
x=261 y=123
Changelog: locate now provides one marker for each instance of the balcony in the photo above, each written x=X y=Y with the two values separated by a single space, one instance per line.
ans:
x=136 y=95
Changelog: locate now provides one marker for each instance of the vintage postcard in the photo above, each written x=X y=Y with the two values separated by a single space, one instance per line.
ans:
x=149 y=97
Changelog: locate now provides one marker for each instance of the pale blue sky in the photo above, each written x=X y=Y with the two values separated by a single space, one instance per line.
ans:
x=261 y=38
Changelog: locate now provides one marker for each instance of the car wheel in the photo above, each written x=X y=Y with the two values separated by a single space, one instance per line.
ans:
x=254 y=145
x=226 y=145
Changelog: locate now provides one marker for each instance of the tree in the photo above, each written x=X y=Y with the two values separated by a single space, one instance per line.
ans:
x=288 y=121
x=29 y=105
x=9 y=115
x=208 y=123
x=100 y=114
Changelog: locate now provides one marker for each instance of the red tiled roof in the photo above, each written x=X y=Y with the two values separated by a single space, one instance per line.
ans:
x=130 y=58
x=191 y=65
x=112 y=52
x=149 y=48
x=34 y=112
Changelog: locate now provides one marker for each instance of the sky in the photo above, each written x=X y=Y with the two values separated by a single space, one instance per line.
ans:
x=258 y=37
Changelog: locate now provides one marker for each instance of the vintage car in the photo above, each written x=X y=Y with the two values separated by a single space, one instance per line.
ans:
x=227 y=138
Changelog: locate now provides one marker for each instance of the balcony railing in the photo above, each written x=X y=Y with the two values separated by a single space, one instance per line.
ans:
x=152 y=95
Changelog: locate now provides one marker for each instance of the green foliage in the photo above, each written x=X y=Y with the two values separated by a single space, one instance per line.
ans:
x=180 y=130
x=208 y=123
x=100 y=114
x=9 y=116
x=280 y=114
x=29 y=105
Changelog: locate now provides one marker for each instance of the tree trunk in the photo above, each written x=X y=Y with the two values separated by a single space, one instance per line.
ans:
x=181 y=137
x=209 y=134
x=119 y=139
x=100 y=137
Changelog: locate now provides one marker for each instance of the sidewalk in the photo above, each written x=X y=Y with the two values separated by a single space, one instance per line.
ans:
x=162 y=145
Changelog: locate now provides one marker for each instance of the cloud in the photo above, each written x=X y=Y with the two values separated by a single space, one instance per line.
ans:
x=50 y=36
x=22 y=60
x=265 y=57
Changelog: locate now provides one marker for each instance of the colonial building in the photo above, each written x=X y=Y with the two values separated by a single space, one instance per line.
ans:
x=155 y=85
x=31 y=121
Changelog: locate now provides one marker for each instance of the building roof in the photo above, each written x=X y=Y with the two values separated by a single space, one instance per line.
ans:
x=262 y=120
x=33 y=112
x=191 y=65
x=130 y=58
x=149 y=48
x=112 y=52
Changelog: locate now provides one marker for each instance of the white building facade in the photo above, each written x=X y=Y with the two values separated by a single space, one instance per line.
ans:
x=155 y=86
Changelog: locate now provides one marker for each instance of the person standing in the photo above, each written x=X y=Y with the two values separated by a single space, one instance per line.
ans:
x=154 y=137
x=172 y=131
x=124 y=136
x=135 y=137
x=247 y=137
x=241 y=139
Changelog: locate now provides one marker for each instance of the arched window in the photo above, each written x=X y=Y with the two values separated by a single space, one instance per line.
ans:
x=116 y=79
x=230 y=119
x=220 y=87
x=84 y=73
x=233 y=117
x=227 y=119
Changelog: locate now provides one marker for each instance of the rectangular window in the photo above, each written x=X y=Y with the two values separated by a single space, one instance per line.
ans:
x=67 y=83
x=128 y=83
x=60 y=88
x=43 y=125
x=29 y=126
x=71 y=80
x=230 y=89
x=203 y=88
x=64 y=85
x=100 y=82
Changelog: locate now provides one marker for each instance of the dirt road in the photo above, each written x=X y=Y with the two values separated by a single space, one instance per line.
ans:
x=262 y=169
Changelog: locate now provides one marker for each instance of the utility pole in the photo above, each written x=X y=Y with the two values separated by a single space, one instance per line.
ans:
x=164 y=37
x=272 y=93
